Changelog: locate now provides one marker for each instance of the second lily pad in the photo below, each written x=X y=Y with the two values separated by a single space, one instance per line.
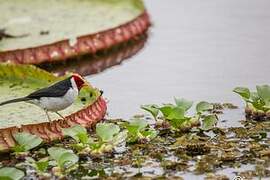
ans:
x=20 y=80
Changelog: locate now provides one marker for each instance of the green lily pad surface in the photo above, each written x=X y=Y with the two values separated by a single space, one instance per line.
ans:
x=20 y=80
x=39 y=22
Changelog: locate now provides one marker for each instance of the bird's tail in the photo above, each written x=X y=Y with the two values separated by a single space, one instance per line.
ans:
x=14 y=100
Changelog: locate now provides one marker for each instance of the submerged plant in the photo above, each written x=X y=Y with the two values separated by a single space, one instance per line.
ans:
x=258 y=100
x=26 y=142
x=138 y=129
x=177 y=114
x=10 y=173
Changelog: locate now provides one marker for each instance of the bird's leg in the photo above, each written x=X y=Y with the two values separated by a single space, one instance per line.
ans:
x=48 y=116
x=60 y=115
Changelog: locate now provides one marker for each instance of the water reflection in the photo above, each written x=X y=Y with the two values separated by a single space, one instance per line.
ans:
x=93 y=64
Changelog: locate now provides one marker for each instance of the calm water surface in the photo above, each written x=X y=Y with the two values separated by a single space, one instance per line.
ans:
x=198 y=50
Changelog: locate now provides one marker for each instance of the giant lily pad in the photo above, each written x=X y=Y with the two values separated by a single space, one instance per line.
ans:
x=37 y=31
x=18 y=81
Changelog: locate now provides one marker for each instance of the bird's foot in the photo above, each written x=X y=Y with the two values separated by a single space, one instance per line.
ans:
x=63 y=118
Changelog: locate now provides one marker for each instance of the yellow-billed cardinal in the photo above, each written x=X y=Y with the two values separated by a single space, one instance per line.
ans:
x=55 y=97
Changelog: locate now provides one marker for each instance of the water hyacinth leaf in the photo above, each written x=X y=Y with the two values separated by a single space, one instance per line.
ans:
x=27 y=141
x=254 y=96
x=176 y=113
x=183 y=103
x=209 y=122
x=176 y=123
x=136 y=125
x=106 y=131
x=56 y=152
x=166 y=110
x=68 y=159
x=243 y=92
x=78 y=133
x=137 y=129
x=84 y=138
x=256 y=101
x=10 y=173
x=151 y=108
x=203 y=106
x=132 y=129
x=264 y=93
x=64 y=157
x=139 y=123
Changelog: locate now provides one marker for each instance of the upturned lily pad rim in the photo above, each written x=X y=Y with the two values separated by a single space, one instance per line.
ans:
x=86 y=117
x=27 y=78
x=20 y=80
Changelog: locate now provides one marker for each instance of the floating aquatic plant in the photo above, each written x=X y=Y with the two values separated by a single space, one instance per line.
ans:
x=139 y=130
x=257 y=102
x=108 y=137
x=65 y=159
x=26 y=142
x=10 y=173
x=177 y=114
x=40 y=165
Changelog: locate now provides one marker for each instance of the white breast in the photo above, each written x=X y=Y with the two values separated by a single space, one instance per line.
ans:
x=58 y=103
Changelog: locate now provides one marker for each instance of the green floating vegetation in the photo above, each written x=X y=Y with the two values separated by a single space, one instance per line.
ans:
x=108 y=137
x=144 y=145
x=170 y=143
x=10 y=173
x=139 y=130
x=257 y=102
x=26 y=142
x=78 y=133
x=64 y=158
x=20 y=80
x=177 y=114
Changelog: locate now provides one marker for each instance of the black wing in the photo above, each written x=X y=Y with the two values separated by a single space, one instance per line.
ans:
x=56 y=90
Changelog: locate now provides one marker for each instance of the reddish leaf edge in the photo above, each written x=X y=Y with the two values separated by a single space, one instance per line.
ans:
x=88 y=44
x=86 y=117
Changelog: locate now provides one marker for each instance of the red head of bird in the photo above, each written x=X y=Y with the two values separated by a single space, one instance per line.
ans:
x=80 y=82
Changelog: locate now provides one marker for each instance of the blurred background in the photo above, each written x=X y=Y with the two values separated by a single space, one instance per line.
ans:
x=199 y=50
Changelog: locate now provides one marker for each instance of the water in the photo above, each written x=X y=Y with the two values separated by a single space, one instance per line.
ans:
x=198 y=50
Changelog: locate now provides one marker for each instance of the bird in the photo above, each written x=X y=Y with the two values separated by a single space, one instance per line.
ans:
x=55 y=97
